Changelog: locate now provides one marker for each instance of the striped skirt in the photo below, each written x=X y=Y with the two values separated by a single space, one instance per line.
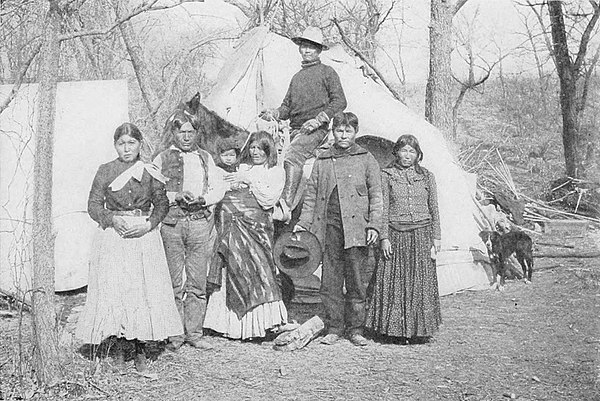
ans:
x=405 y=299
x=129 y=289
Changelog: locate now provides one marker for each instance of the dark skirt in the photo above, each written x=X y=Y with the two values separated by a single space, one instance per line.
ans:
x=405 y=298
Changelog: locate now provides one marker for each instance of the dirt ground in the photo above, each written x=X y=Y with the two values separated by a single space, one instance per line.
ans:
x=530 y=342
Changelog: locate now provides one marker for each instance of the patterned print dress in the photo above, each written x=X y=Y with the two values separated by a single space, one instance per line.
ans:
x=405 y=299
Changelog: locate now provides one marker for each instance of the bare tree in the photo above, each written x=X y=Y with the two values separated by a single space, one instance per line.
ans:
x=438 y=92
x=574 y=72
x=46 y=356
x=532 y=47
x=476 y=64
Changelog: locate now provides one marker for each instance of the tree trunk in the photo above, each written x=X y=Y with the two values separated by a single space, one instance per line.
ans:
x=438 y=101
x=574 y=153
x=140 y=67
x=46 y=355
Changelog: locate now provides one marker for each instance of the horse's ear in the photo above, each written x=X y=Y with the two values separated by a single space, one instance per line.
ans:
x=194 y=103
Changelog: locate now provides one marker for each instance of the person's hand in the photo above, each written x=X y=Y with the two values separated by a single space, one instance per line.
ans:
x=386 y=248
x=185 y=196
x=200 y=201
x=298 y=228
x=372 y=236
x=239 y=177
x=269 y=114
x=120 y=225
x=310 y=125
x=138 y=230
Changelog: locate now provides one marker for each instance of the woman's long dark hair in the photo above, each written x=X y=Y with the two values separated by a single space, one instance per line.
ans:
x=266 y=143
x=411 y=141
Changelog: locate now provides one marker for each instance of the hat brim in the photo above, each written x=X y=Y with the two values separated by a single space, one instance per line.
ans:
x=298 y=40
x=297 y=267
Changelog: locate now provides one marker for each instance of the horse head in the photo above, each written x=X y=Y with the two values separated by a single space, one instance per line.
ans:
x=211 y=127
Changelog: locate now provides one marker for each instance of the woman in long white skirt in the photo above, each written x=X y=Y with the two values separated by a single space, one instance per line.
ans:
x=129 y=288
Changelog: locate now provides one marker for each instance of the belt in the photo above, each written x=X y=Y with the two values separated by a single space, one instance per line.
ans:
x=134 y=212
x=198 y=215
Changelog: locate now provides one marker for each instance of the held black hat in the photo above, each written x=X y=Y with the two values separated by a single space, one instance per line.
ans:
x=297 y=254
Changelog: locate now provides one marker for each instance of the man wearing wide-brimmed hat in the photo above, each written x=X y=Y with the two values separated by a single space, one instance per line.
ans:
x=314 y=96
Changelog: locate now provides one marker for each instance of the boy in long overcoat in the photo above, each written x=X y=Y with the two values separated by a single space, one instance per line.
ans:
x=343 y=207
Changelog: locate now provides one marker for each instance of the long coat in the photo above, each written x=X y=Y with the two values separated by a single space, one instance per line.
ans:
x=357 y=177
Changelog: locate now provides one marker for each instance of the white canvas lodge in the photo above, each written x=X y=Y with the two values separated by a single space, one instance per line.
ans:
x=87 y=113
x=256 y=76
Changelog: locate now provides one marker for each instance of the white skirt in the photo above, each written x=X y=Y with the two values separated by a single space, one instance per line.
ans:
x=129 y=289
x=254 y=324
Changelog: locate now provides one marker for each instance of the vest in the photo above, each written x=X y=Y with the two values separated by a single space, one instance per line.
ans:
x=172 y=168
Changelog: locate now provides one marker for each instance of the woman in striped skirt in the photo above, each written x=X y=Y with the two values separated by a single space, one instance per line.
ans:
x=249 y=302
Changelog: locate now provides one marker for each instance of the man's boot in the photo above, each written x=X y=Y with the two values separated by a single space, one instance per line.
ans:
x=293 y=177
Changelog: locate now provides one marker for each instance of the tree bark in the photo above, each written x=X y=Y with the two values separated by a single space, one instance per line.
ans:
x=438 y=100
x=46 y=354
x=568 y=92
x=140 y=67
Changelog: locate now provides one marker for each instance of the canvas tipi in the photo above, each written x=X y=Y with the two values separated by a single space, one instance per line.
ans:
x=257 y=75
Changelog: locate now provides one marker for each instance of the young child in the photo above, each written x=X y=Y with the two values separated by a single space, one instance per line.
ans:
x=229 y=153
x=343 y=207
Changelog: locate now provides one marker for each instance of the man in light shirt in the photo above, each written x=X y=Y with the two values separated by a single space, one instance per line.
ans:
x=188 y=231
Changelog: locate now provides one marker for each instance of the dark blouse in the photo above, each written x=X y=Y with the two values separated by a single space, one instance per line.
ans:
x=409 y=200
x=103 y=202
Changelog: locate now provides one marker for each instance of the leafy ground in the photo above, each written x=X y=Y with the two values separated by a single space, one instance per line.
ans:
x=531 y=342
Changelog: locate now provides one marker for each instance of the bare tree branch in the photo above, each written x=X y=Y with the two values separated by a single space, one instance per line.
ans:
x=540 y=19
x=19 y=81
x=364 y=59
x=458 y=6
x=386 y=15
x=136 y=11
x=585 y=38
x=586 y=80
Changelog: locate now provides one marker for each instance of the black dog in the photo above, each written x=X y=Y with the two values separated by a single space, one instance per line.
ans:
x=501 y=246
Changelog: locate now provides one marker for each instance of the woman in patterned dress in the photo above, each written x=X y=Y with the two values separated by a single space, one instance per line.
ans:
x=249 y=301
x=405 y=300
x=129 y=292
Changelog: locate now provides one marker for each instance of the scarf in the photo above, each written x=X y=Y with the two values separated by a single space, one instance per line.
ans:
x=136 y=171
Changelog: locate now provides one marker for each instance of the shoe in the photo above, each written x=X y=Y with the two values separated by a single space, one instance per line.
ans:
x=174 y=344
x=199 y=343
x=358 y=340
x=330 y=339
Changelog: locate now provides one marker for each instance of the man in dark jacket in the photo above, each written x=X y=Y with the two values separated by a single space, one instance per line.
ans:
x=343 y=207
x=314 y=96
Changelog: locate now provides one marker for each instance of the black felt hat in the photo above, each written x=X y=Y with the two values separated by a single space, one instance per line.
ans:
x=297 y=254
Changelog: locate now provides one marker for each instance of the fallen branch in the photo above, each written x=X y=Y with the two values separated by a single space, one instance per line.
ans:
x=13 y=298
x=554 y=244
x=577 y=255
